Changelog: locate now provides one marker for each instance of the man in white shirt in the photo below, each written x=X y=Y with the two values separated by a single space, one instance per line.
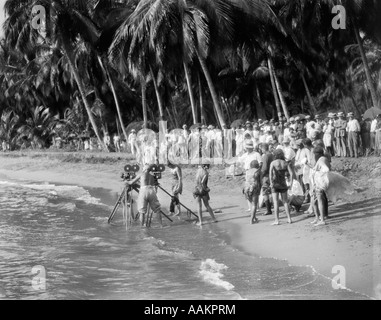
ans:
x=353 y=129
x=289 y=153
x=249 y=156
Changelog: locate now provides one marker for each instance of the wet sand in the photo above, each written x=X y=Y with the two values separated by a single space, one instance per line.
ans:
x=352 y=238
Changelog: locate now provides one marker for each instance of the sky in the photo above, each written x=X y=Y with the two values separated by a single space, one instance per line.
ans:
x=2 y=17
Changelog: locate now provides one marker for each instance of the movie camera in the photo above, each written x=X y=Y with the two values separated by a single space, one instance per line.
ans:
x=157 y=170
x=130 y=172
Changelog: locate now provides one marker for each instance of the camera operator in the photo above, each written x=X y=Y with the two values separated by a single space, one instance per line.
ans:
x=147 y=194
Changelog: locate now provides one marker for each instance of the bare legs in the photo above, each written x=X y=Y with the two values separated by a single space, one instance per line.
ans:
x=276 y=207
x=250 y=205
x=320 y=209
x=254 y=209
x=208 y=208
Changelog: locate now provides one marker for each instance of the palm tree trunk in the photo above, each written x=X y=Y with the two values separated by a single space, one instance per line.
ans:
x=190 y=92
x=175 y=114
x=108 y=76
x=275 y=93
x=143 y=86
x=279 y=89
x=261 y=112
x=170 y=117
x=81 y=89
x=366 y=67
x=202 y=111
x=213 y=91
x=312 y=103
x=158 y=97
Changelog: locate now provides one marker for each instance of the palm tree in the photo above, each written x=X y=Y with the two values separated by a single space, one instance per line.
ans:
x=39 y=127
x=68 y=22
x=8 y=128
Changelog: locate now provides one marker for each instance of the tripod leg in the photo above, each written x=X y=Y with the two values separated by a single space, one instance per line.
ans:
x=161 y=188
x=130 y=209
x=116 y=208
x=127 y=211
x=148 y=217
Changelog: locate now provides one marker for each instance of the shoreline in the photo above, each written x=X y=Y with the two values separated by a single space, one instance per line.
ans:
x=356 y=246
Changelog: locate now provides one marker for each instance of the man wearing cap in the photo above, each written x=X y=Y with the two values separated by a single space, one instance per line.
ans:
x=353 y=130
x=340 y=135
x=132 y=142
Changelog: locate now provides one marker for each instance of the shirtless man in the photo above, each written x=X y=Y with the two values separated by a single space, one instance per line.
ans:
x=147 y=194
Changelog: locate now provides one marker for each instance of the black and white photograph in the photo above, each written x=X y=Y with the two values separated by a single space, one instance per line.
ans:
x=194 y=151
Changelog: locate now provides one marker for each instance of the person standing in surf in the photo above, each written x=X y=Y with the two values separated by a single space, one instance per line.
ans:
x=201 y=192
x=147 y=194
x=177 y=188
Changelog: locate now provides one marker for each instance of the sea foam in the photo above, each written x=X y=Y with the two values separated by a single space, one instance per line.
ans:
x=210 y=271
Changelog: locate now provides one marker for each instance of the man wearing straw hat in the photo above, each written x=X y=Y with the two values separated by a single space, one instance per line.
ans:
x=353 y=129
x=247 y=158
x=340 y=135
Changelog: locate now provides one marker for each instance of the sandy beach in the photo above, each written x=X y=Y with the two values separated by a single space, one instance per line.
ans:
x=352 y=238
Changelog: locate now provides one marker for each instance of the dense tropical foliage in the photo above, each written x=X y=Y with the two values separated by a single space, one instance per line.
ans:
x=95 y=66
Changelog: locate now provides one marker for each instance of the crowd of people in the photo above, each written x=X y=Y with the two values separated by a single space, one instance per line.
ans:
x=343 y=136
x=283 y=163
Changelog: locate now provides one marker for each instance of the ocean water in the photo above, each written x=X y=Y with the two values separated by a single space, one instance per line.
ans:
x=55 y=243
